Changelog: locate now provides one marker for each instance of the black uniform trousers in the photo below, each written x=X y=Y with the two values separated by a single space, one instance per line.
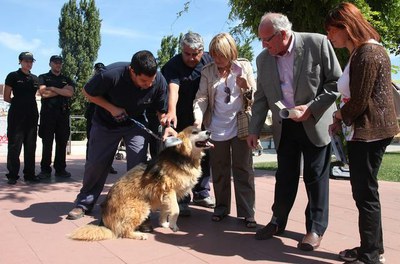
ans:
x=54 y=125
x=365 y=159
x=294 y=142
x=21 y=130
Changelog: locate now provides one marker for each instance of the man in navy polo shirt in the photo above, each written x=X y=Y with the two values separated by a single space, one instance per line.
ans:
x=123 y=90
x=56 y=90
x=183 y=73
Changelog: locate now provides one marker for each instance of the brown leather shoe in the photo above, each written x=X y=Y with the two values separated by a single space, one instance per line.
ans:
x=310 y=242
x=268 y=231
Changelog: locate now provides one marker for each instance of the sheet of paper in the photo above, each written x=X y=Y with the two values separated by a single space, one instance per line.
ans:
x=280 y=105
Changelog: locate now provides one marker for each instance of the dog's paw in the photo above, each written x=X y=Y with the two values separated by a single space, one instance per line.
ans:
x=165 y=224
x=137 y=236
x=143 y=237
x=174 y=227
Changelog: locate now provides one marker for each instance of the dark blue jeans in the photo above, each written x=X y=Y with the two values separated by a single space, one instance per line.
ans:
x=102 y=147
x=365 y=159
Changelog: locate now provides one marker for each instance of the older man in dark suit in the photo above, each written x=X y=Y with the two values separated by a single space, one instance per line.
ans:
x=299 y=70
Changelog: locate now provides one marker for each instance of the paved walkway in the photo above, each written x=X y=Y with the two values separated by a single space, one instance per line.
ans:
x=33 y=227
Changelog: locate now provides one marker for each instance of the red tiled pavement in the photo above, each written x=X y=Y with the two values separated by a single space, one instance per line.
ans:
x=33 y=227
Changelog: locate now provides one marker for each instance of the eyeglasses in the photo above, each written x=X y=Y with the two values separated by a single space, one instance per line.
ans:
x=227 y=90
x=268 y=40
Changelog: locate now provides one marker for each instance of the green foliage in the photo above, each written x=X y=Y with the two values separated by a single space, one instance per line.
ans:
x=79 y=40
x=309 y=15
x=243 y=44
x=169 y=48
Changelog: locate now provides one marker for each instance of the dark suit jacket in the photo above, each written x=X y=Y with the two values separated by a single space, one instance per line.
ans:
x=316 y=70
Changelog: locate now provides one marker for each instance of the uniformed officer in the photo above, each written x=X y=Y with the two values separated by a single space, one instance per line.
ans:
x=56 y=90
x=22 y=119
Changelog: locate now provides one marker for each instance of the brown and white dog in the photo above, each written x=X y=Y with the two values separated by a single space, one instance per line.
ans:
x=145 y=188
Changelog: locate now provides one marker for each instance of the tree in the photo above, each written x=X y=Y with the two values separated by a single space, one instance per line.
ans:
x=309 y=15
x=79 y=40
x=243 y=45
x=169 y=47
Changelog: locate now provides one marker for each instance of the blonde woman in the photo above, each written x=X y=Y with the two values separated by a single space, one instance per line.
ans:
x=225 y=86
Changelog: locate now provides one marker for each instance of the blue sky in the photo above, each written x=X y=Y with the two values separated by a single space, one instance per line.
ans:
x=127 y=26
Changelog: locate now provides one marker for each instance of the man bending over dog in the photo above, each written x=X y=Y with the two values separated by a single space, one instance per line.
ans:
x=121 y=92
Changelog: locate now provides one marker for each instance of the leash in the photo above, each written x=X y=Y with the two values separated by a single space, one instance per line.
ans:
x=169 y=141
x=145 y=128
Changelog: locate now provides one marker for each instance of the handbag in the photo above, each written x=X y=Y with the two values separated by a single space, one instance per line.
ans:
x=243 y=120
x=396 y=99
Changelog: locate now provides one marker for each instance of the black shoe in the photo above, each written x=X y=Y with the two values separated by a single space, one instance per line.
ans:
x=112 y=171
x=63 y=174
x=184 y=210
x=12 y=180
x=44 y=175
x=268 y=231
x=31 y=179
x=146 y=226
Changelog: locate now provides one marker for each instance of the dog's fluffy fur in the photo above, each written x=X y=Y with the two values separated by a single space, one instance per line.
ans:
x=146 y=188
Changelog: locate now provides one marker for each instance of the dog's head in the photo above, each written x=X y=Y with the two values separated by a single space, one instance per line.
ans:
x=194 y=140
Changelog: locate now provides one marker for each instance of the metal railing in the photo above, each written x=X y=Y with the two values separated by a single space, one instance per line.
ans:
x=71 y=118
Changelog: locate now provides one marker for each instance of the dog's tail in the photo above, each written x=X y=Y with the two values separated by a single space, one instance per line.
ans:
x=92 y=233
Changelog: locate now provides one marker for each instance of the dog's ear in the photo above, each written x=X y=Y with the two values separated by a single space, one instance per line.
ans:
x=186 y=147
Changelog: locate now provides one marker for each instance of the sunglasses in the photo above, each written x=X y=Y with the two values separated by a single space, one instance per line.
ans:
x=227 y=90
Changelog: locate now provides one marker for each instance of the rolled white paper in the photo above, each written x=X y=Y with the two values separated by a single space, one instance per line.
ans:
x=289 y=113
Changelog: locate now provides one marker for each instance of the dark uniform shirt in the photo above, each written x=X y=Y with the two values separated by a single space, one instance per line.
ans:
x=24 y=89
x=56 y=103
x=117 y=87
x=188 y=79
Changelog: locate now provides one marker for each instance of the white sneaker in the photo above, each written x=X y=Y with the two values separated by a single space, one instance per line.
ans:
x=207 y=202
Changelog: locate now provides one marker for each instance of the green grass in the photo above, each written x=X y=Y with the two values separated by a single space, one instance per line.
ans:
x=389 y=170
x=271 y=166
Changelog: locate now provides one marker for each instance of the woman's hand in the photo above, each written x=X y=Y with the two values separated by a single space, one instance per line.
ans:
x=335 y=127
x=242 y=83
